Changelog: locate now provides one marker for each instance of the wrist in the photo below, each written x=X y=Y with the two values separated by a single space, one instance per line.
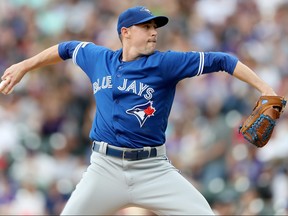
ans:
x=268 y=91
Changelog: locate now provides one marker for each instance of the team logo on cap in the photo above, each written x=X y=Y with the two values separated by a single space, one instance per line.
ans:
x=146 y=10
x=142 y=112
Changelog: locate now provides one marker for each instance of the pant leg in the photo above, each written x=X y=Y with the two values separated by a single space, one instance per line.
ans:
x=101 y=191
x=165 y=191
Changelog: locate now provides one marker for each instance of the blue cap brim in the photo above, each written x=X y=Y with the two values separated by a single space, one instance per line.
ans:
x=159 y=20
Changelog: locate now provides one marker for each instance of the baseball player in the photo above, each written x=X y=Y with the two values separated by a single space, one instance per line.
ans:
x=134 y=89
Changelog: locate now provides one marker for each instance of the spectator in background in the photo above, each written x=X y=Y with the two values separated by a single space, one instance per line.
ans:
x=262 y=43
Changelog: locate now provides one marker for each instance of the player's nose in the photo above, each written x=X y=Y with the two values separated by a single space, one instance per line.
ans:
x=154 y=32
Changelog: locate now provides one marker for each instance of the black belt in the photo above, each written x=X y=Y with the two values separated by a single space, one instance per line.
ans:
x=128 y=154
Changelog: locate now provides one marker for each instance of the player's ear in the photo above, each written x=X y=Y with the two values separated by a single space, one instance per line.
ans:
x=125 y=32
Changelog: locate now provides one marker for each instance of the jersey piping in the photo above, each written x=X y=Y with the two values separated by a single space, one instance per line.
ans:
x=201 y=64
x=82 y=44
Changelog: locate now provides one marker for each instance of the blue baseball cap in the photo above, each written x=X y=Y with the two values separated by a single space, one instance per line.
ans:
x=137 y=15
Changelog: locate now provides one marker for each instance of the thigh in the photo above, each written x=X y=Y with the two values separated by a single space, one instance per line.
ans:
x=165 y=191
x=101 y=191
x=180 y=197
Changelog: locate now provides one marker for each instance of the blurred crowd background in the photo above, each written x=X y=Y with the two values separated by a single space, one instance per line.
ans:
x=44 y=124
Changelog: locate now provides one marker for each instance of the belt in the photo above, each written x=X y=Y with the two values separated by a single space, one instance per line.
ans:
x=124 y=153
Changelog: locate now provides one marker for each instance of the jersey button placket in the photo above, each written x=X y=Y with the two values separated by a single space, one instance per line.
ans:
x=118 y=75
x=118 y=71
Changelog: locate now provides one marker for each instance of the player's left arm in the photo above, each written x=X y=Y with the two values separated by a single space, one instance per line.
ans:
x=215 y=61
x=245 y=74
x=16 y=72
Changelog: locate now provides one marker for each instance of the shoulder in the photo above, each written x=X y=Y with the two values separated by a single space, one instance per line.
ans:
x=175 y=57
x=163 y=54
x=93 y=46
x=176 y=54
x=90 y=48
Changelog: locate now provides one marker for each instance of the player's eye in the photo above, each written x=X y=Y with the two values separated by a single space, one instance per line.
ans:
x=147 y=26
x=150 y=26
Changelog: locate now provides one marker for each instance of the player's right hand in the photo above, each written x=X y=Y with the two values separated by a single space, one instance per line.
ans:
x=11 y=77
x=4 y=87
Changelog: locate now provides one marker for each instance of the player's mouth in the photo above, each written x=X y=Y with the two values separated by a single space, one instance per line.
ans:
x=152 y=41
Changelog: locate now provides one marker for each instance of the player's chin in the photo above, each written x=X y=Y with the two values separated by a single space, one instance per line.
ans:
x=153 y=45
x=150 y=52
x=150 y=49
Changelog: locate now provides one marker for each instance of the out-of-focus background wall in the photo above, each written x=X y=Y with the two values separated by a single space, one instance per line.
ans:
x=44 y=124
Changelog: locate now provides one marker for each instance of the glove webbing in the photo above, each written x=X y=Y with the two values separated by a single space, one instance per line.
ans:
x=257 y=124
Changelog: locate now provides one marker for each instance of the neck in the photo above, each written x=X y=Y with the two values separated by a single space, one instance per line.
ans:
x=130 y=54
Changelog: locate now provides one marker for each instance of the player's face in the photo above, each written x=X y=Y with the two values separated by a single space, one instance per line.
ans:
x=144 y=37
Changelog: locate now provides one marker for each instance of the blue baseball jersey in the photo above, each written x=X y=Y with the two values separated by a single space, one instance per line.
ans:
x=134 y=99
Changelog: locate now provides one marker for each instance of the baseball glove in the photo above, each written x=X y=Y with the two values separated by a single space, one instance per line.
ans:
x=259 y=125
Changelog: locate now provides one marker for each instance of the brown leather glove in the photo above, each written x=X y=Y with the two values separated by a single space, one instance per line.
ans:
x=259 y=125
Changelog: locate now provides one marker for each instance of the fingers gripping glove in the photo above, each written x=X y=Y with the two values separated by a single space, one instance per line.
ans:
x=259 y=125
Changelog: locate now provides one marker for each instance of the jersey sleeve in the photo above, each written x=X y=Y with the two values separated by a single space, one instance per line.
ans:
x=219 y=61
x=83 y=54
x=66 y=49
x=180 y=65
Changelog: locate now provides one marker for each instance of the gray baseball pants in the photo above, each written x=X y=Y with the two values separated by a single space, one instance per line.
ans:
x=112 y=183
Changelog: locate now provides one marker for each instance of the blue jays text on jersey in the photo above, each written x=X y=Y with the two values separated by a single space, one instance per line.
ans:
x=137 y=88
x=134 y=99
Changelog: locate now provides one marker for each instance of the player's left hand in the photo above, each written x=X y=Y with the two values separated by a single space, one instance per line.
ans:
x=259 y=125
